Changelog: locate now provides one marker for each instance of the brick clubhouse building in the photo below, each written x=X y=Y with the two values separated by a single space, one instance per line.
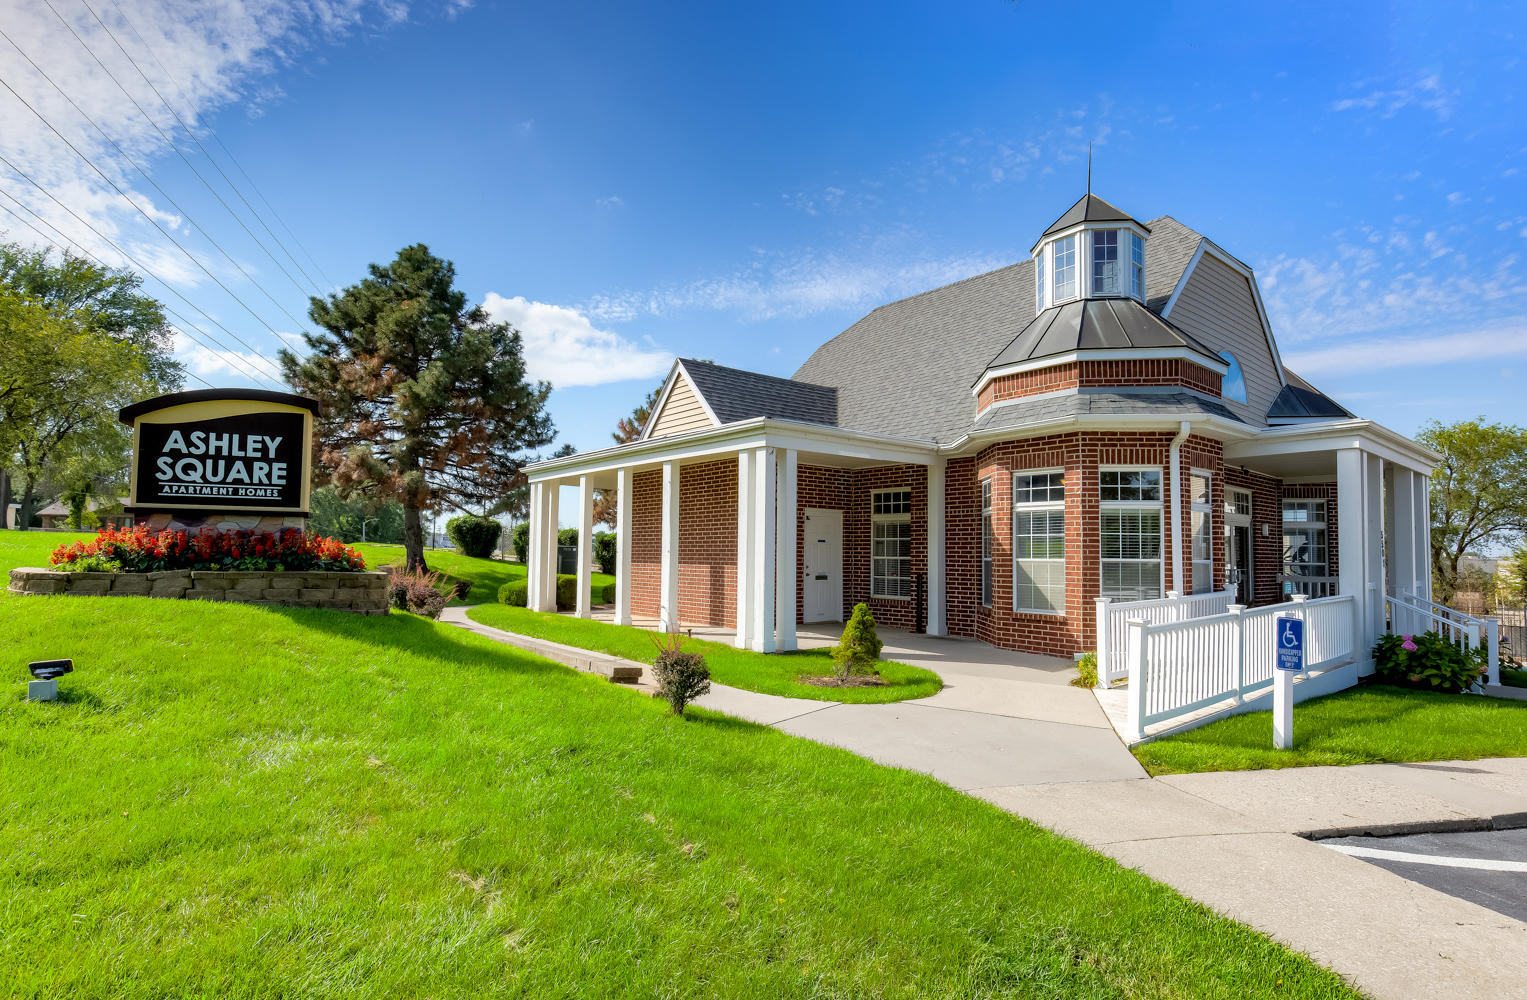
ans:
x=1108 y=418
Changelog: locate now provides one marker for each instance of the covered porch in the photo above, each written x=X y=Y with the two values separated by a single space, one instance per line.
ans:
x=713 y=527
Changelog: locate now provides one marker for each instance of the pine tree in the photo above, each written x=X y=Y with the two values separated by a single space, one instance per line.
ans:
x=858 y=650
x=425 y=400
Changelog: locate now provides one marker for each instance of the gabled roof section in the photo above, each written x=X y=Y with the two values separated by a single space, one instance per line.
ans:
x=1097 y=325
x=1091 y=208
x=1301 y=401
x=734 y=394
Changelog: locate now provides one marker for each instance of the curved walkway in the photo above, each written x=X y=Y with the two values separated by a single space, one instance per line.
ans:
x=1008 y=729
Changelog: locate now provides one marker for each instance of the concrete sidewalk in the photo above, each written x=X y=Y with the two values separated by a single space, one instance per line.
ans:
x=1008 y=729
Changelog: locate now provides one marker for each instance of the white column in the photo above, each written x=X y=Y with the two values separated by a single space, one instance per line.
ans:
x=935 y=528
x=551 y=502
x=1373 y=546
x=584 y=606
x=1400 y=528
x=745 y=544
x=533 y=555
x=764 y=473
x=1351 y=560
x=623 y=543
x=1421 y=489
x=786 y=563
x=668 y=599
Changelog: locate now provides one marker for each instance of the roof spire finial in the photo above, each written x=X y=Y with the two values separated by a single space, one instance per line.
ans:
x=1089 y=166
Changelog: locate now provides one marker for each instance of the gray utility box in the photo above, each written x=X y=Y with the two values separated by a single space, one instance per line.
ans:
x=567 y=559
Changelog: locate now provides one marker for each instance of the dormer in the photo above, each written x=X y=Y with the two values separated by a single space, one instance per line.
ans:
x=1093 y=251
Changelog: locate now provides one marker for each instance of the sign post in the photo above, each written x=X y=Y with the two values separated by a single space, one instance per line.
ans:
x=1288 y=657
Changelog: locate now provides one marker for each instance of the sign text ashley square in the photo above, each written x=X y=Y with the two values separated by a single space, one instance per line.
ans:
x=221 y=451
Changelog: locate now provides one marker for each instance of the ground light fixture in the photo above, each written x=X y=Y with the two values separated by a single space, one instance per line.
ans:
x=45 y=674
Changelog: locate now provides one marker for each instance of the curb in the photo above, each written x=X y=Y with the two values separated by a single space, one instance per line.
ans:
x=1472 y=824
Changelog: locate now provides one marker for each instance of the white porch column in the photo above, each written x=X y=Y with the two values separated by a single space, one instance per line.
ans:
x=745 y=546
x=1421 y=490
x=935 y=529
x=1400 y=528
x=786 y=561
x=551 y=495
x=668 y=600
x=1373 y=548
x=762 y=562
x=584 y=606
x=1352 y=530
x=623 y=542
x=533 y=556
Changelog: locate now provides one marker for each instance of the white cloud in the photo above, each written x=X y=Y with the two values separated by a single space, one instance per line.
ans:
x=1507 y=339
x=613 y=201
x=205 y=360
x=1425 y=91
x=563 y=347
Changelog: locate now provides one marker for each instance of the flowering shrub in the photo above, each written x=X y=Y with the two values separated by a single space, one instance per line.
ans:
x=139 y=550
x=420 y=592
x=1430 y=662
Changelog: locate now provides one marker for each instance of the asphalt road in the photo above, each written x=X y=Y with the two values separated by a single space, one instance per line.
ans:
x=1488 y=867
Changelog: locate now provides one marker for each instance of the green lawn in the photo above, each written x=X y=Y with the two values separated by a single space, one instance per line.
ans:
x=236 y=801
x=1372 y=724
x=1513 y=678
x=771 y=673
x=487 y=575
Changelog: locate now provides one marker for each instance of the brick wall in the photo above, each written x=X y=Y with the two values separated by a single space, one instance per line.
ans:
x=646 y=542
x=707 y=543
x=856 y=538
x=1088 y=374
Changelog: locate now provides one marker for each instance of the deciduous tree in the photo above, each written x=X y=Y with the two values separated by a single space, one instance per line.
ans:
x=1478 y=493
x=425 y=399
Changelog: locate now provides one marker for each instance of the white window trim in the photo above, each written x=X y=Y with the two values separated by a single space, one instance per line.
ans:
x=1323 y=524
x=1156 y=505
x=1206 y=508
x=1044 y=262
x=890 y=519
x=1059 y=505
x=987 y=568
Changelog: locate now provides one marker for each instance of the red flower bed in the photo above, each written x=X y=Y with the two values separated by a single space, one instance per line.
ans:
x=138 y=550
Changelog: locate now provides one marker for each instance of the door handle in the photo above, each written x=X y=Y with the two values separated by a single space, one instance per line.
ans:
x=821 y=576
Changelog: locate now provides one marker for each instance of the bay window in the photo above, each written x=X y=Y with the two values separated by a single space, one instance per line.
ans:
x=1130 y=502
x=1039 y=542
x=1201 y=531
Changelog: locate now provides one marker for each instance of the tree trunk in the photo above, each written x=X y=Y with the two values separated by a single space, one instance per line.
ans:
x=413 y=538
x=5 y=500
x=28 y=501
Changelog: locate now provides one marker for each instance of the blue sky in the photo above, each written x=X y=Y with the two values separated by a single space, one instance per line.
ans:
x=632 y=182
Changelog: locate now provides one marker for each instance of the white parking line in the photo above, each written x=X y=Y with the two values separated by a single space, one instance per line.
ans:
x=1479 y=864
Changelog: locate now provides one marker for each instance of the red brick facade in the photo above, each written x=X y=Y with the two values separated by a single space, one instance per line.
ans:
x=1090 y=374
x=708 y=532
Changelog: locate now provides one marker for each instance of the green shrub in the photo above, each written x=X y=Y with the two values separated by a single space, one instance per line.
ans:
x=858 y=650
x=515 y=593
x=567 y=592
x=607 y=595
x=521 y=539
x=604 y=551
x=1086 y=671
x=90 y=564
x=567 y=536
x=681 y=677
x=474 y=536
x=1429 y=662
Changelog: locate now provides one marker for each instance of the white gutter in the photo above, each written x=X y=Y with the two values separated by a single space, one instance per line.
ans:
x=1175 y=460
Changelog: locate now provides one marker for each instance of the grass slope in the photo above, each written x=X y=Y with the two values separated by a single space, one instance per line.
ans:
x=234 y=801
x=773 y=673
x=487 y=575
x=1372 y=724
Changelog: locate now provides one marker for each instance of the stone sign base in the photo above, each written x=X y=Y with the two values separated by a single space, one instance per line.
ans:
x=185 y=521
x=362 y=593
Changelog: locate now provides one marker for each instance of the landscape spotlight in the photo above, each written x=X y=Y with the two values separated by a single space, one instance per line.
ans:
x=45 y=673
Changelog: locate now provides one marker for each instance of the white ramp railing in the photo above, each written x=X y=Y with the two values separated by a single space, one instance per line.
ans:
x=1113 y=617
x=1410 y=615
x=1176 y=668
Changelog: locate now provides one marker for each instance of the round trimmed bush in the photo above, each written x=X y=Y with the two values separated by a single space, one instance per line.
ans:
x=515 y=593
x=567 y=592
x=474 y=536
x=607 y=594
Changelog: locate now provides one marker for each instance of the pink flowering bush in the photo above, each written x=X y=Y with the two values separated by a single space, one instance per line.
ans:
x=1429 y=662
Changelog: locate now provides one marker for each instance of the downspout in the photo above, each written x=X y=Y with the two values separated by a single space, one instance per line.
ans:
x=1175 y=461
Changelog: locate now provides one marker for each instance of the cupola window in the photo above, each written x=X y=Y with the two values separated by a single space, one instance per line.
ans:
x=1064 y=252
x=1105 y=263
x=1136 y=266
x=1092 y=251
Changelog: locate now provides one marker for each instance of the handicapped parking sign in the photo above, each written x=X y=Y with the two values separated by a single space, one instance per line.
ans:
x=1290 y=643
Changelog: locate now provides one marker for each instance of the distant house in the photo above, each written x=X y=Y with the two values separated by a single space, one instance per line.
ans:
x=1109 y=418
x=55 y=516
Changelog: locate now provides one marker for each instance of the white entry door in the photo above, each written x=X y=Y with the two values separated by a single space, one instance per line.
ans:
x=824 y=565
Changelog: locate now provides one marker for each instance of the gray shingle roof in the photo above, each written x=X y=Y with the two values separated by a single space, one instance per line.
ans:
x=1300 y=399
x=1167 y=254
x=1176 y=405
x=1090 y=208
x=1096 y=324
x=734 y=394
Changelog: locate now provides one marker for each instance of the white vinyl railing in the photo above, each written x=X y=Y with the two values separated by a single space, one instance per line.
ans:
x=1176 y=668
x=1112 y=617
x=1410 y=615
x=1309 y=586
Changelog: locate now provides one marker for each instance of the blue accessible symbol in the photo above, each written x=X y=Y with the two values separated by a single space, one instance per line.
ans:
x=1290 y=643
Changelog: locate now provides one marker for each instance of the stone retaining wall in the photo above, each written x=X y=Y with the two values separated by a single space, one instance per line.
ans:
x=362 y=593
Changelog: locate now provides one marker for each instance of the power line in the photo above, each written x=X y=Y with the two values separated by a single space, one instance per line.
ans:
x=139 y=264
x=176 y=149
x=185 y=99
x=186 y=215
x=187 y=129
